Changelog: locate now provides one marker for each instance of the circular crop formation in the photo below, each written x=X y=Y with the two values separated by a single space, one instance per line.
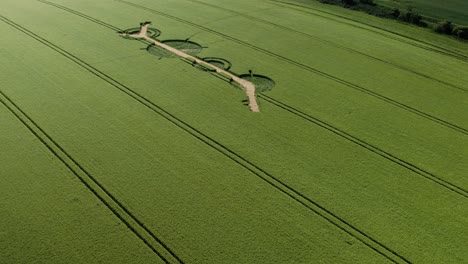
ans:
x=186 y=46
x=218 y=62
x=262 y=83
x=152 y=32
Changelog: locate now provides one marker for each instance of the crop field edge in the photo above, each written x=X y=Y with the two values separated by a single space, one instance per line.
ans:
x=435 y=48
x=332 y=44
x=315 y=71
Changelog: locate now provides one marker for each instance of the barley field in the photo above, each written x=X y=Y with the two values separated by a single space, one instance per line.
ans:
x=113 y=150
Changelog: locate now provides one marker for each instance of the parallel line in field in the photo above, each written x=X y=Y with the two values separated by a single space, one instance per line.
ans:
x=310 y=69
x=82 y=15
x=390 y=34
x=273 y=181
x=97 y=21
x=111 y=202
x=335 y=130
x=366 y=145
x=77 y=170
x=351 y=50
x=349 y=137
x=370 y=147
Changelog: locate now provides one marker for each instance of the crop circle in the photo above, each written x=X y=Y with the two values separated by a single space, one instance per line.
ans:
x=152 y=33
x=186 y=46
x=262 y=83
x=218 y=62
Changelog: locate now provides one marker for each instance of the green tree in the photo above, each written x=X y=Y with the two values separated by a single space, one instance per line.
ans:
x=461 y=32
x=444 y=27
x=367 y=2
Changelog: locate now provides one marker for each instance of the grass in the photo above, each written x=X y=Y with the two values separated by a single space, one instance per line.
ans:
x=358 y=153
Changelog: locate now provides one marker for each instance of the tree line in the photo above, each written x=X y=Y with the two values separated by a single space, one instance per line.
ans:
x=409 y=16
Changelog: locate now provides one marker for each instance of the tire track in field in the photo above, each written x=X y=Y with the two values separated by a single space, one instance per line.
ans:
x=349 y=137
x=366 y=145
x=273 y=181
x=330 y=43
x=310 y=69
x=84 y=177
x=97 y=21
x=90 y=182
x=415 y=42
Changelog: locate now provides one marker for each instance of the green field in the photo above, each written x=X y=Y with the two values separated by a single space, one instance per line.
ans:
x=452 y=10
x=112 y=153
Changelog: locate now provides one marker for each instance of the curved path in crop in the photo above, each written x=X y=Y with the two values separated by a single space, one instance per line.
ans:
x=248 y=86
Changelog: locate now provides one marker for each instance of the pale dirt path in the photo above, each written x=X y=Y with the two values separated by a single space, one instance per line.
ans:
x=248 y=86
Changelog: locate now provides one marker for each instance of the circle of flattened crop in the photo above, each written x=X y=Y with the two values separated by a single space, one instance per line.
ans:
x=262 y=83
x=152 y=32
x=218 y=62
x=188 y=47
x=159 y=52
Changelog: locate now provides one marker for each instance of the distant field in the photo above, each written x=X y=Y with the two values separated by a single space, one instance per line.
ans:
x=114 y=154
x=452 y=10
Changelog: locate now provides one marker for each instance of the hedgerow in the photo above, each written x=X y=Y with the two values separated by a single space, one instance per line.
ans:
x=408 y=16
